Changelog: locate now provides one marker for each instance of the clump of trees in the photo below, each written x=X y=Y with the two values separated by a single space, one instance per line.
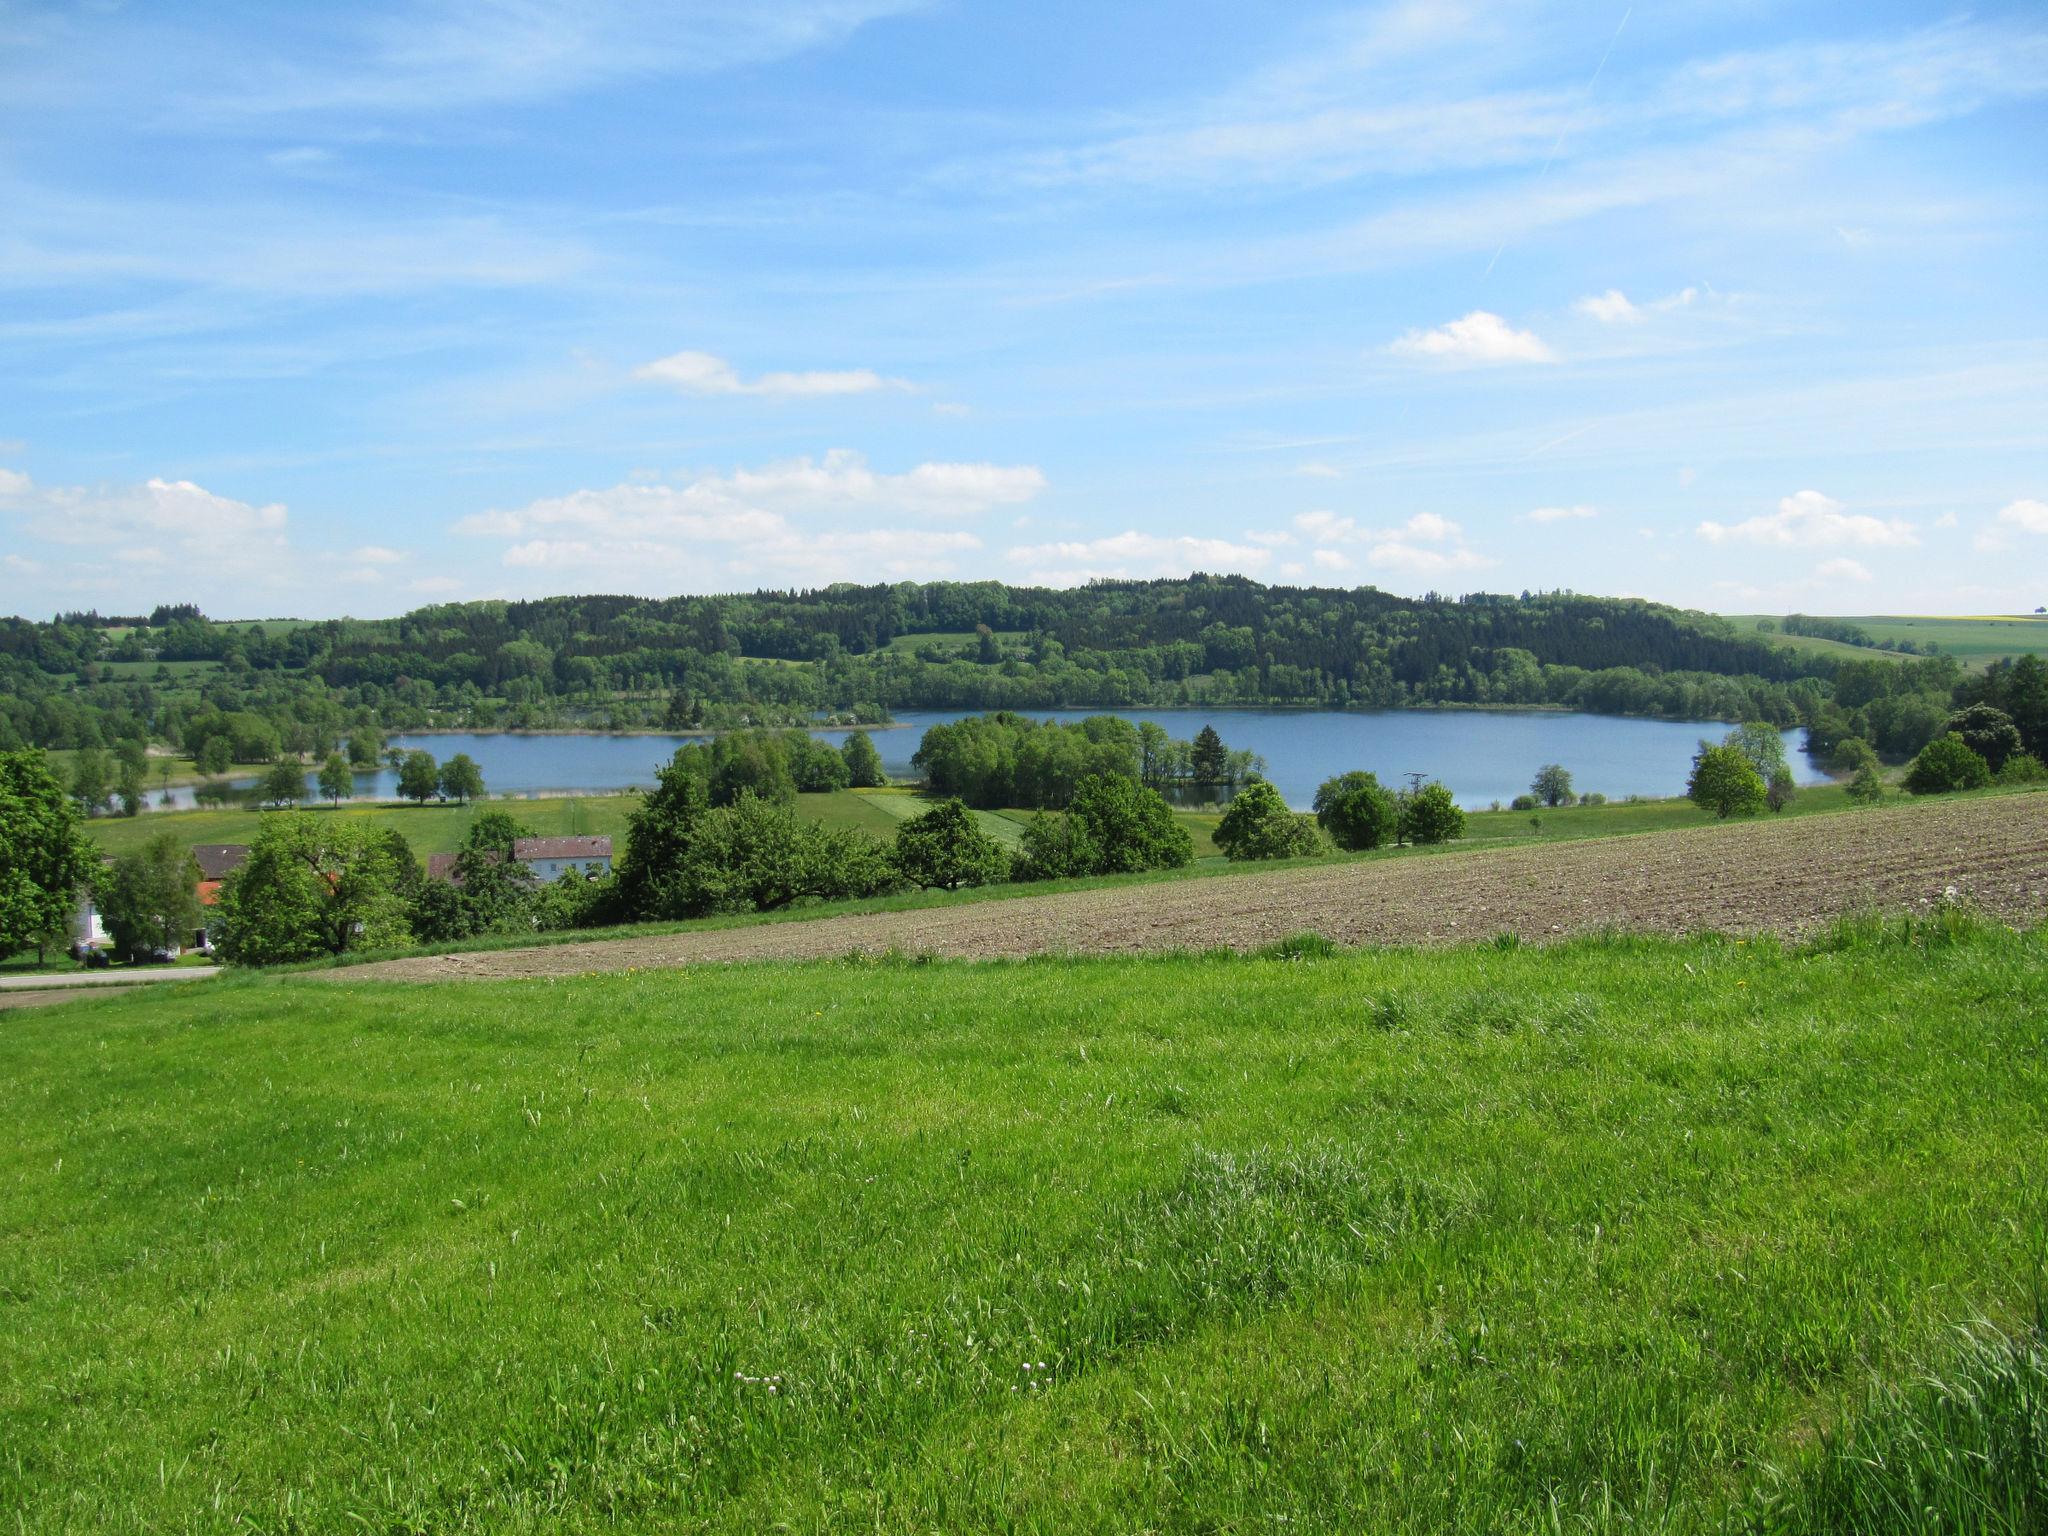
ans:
x=946 y=848
x=1113 y=825
x=1431 y=815
x=1259 y=825
x=1726 y=782
x=863 y=762
x=314 y=886
x=1002 y=760
x=1357 y=811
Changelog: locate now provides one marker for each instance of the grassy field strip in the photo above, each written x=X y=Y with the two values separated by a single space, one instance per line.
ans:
x=1779 y=875
x=1587 y=1238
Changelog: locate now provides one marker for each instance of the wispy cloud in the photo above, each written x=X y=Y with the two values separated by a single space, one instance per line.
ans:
x=1558 y=514
x=701 y=373
x=1069 y=563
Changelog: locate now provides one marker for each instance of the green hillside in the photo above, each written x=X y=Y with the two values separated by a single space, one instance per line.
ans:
x=1614 y=1236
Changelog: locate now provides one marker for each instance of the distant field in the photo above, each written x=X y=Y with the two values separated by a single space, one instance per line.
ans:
x=184 y=672
x=950 y=637
x=1976 y=642
x=1625 y=1235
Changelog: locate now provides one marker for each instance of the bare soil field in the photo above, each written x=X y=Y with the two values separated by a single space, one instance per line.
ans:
x=1783 y=877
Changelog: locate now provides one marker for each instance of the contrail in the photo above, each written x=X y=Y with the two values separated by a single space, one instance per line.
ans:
x=1559 y=142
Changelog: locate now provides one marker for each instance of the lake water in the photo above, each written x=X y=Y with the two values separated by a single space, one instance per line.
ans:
x=1483 y=755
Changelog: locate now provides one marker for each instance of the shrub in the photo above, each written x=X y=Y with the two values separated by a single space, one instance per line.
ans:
x=1781 y=790
x=1725 y=782
x=1867 y=787
x=1130 y=826
x=945 y=848
x=1356 y=811
x=1947 y=764
x=1259 y=825
x=1432 y=816
x=1524 y=803
x=1056 y=847
x=2023 y=768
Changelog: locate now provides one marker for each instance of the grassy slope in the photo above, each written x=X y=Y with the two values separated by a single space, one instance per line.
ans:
x=1975 y=641
x=1480 y=1240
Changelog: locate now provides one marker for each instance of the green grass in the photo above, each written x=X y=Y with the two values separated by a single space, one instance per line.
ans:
x=955 y=638
x=1975 y=641
x=1608 y=1236
x=185 y=672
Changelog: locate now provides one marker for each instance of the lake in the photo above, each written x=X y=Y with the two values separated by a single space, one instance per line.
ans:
x=1483 y=755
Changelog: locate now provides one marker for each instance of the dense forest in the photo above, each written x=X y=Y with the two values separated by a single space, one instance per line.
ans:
x=853 y=653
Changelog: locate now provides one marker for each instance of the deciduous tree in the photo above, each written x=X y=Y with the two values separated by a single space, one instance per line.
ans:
x=1258 y=825
x=945 y=848
x=1356 y=810
x=150 y=898
x=45 y=860
x=1725 y=782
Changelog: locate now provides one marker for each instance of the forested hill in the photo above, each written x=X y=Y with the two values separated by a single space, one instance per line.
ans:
x=846 y=650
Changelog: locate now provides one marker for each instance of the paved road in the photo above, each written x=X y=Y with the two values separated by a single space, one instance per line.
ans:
x=1768 y=875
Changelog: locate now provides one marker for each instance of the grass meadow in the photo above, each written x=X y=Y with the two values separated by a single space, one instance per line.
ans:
x=1616 y=1235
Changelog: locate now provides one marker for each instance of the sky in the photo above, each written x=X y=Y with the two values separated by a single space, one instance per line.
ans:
x=310 y=311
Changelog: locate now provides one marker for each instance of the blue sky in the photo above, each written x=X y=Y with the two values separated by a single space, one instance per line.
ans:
x=320 y=310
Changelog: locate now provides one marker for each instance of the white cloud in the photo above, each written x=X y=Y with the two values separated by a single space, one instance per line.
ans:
x=1316 y=470
x=1811 y=519
x=794 y=522
x=376 y=554
x=1558 y=514
x=124 y=541
x=1132 y=554
x=1480 y=337
x=2029 y=516
x=1331 y=560
x=1615 y=308
x=702 y=373
x=1842 y=568
x=1427 y=544
x=1947 y=520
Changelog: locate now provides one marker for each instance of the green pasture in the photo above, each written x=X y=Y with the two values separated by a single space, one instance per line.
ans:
x=1975 y=641
x=1614 y=1236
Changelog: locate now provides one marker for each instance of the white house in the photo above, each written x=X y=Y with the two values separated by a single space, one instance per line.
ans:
x=548 y=857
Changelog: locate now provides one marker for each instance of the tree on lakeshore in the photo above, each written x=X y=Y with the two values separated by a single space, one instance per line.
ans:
x=1356 y=810
x=863 y=762
x=91 y=777
x=365 y=747
x=282 y=784
x=1259 y=825
x=1988 y=732
x=214 y=756
x=150 y=898
x=312 y=886
x=1432 y=816
x=1762 y=744
x=131 y=787
x=460 y=779
x=336 y=780
x=419 y=776
x=1552 y=785
x=45 y=860
x=1209 y=757
x=1945 y=765
x=1725 y=782
x=945 y=848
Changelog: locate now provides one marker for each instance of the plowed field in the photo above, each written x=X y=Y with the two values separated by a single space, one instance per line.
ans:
x=1762 y=876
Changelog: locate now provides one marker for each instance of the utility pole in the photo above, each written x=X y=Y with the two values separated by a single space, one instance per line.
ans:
x=1414 y=777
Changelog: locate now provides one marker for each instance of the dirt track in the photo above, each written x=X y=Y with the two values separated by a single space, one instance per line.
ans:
x=1780 y=876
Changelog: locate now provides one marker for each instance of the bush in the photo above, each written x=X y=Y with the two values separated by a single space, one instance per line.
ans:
x=1056 y=847
x=1356 y=811
x=945 y=849
x=1945 y=765
x=757 y=856
x=1524 y=803
x=1867 y=788
x=1129 y=826
x=2023 y=768
x=1725 y=782
x=1259 y=825
x=1432 y=816
x=1781 y=790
